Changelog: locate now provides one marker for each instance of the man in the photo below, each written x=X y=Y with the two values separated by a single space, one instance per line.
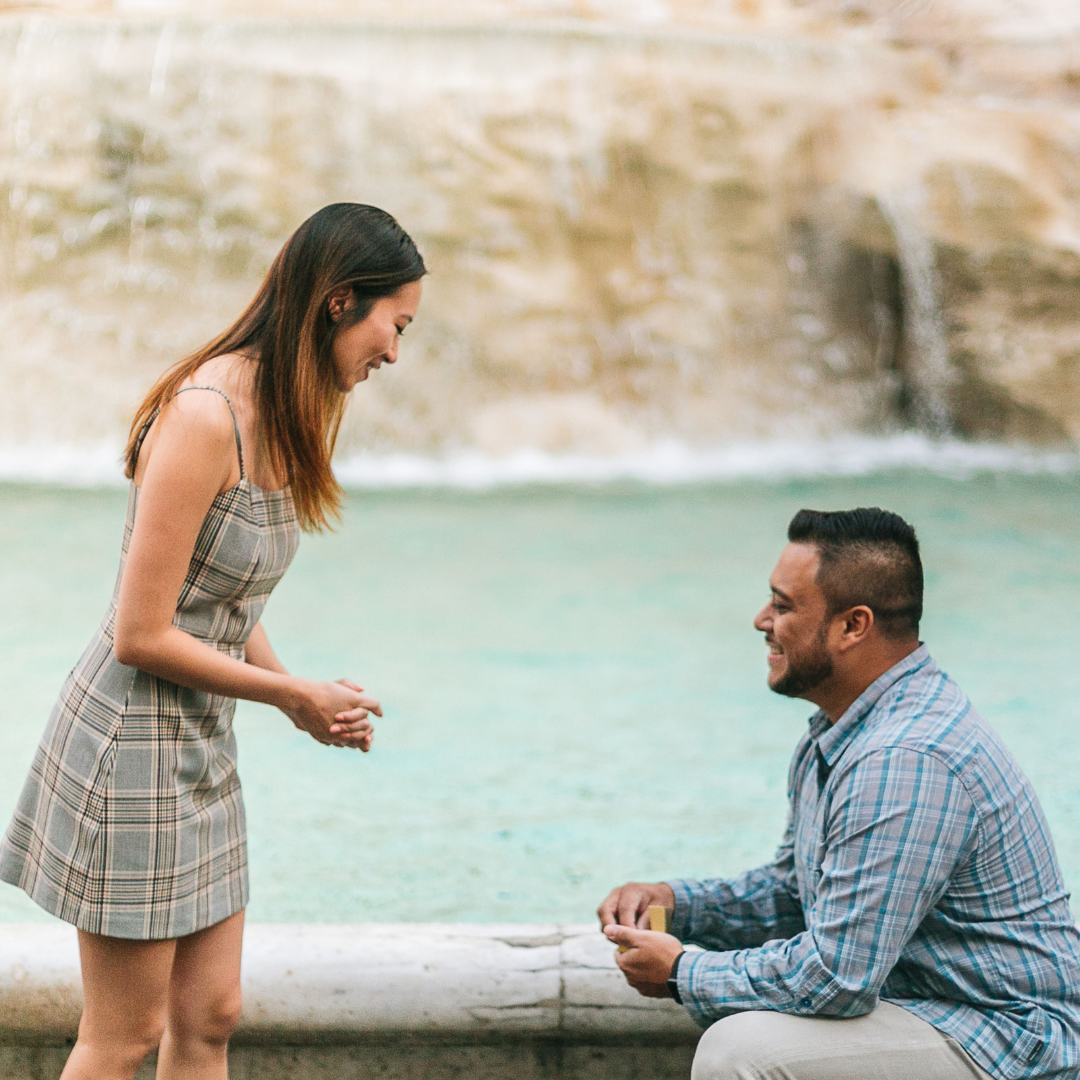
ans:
x=914 y=925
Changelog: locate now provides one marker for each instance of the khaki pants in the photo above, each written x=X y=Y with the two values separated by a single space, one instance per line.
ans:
x=887 y=1044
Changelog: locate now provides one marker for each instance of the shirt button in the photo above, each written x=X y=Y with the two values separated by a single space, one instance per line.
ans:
x=806 y=1003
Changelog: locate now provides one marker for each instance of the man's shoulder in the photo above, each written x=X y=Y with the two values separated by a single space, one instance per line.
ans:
x=925 y=710
x=929 y=714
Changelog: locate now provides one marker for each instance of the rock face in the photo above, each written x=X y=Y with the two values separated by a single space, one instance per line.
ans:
x=667 y=229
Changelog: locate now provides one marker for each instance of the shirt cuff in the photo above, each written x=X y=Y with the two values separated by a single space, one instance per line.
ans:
x=681 y=918
x=684 y=979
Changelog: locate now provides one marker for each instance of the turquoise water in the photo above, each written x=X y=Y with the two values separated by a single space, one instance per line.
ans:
x=574 y=694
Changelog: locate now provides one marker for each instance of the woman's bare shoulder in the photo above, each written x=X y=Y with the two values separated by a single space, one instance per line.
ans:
x=199 y=412
x=229 y=374
x=215 y=393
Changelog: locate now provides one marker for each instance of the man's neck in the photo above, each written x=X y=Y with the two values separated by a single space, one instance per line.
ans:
x=849 y=680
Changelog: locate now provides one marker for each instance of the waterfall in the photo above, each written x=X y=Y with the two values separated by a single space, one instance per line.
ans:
x=617 y=222
x=929 y=374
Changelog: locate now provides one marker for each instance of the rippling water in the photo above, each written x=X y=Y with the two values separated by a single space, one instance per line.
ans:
x=574 y=693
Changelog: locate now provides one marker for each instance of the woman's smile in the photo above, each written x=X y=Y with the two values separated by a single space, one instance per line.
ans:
x=364 y=346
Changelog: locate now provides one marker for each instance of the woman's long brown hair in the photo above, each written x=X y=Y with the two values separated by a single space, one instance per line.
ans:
x=288 y=332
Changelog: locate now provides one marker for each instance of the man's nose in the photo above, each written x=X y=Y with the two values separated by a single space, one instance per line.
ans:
x=763 y=619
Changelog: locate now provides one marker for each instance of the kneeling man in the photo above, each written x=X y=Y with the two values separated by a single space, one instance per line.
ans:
x=914 y=925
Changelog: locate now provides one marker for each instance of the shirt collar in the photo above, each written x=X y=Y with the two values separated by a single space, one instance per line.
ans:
x=833 y=740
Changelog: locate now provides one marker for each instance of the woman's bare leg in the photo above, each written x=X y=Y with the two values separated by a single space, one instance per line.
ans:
x=125 y=1005
x=203 y=1003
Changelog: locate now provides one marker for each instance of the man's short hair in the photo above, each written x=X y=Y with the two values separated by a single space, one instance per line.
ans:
x=870 y=557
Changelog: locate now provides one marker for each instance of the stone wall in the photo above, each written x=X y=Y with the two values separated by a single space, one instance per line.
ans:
x=394 y=1002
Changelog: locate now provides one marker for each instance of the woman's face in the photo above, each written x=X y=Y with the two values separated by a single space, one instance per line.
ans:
x=373 y=341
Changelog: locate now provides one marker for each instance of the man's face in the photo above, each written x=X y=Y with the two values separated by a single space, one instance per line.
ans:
x=795 y=622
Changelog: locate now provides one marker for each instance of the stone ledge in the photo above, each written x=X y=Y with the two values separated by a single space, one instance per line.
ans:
x=344 y=985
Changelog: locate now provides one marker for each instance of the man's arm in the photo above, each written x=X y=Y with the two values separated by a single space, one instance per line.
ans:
x=743 y=912
x=899 y=822
x=738 y=913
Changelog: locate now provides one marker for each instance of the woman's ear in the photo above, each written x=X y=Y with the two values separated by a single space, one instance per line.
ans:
x=339 y=301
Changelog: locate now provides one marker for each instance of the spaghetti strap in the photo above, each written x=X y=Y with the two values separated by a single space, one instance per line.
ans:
x=236 y=427
x=232 y=413
x=142 y=437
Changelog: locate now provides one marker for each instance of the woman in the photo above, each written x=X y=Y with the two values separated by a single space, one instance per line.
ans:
x=131 y=824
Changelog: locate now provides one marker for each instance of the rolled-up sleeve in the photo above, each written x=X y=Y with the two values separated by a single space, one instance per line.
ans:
x=898 y=822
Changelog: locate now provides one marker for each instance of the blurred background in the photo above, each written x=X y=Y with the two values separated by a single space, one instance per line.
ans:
x=700 y=221
x=694 y=264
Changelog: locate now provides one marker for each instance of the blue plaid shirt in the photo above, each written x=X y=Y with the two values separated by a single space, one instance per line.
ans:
x=916 y=868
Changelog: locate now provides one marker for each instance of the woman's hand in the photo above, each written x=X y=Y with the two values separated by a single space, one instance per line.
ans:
x=353 y=725
x=333 y=713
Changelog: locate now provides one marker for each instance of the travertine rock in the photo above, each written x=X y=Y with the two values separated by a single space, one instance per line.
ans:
x=636 y=230
x=356 y=984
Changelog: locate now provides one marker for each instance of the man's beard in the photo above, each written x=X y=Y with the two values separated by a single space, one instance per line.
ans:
x=802 y=676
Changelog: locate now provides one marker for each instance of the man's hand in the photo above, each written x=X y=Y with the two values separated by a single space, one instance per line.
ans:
x=648 y=959
x=628 y=905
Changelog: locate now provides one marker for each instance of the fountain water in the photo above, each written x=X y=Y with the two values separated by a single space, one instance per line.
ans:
x=638 y=236
x=930 y=375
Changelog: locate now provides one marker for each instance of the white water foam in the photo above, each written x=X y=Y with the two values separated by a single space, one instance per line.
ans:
x=677 y=463
x=66 y=464
x=665 y=463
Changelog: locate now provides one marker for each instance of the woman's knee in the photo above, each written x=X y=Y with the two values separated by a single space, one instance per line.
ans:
x=210 y=1021
x=222 y=1021
x=121 y=1049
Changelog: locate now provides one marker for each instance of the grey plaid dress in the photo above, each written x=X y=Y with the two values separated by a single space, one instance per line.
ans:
x=131 y=822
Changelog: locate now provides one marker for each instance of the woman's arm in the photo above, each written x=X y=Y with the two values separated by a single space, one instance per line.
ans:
x=191 y=462
x=260 y=652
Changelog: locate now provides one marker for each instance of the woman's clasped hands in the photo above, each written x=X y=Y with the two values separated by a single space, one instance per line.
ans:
x=333 y=713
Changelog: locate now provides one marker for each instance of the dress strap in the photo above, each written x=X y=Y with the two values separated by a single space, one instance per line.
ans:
x=142 y=433
x=236 y=427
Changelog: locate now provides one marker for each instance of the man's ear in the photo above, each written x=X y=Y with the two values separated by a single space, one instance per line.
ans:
x=857 y=622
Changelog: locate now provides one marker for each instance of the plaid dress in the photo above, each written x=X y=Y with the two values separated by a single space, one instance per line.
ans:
x=131 y=822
